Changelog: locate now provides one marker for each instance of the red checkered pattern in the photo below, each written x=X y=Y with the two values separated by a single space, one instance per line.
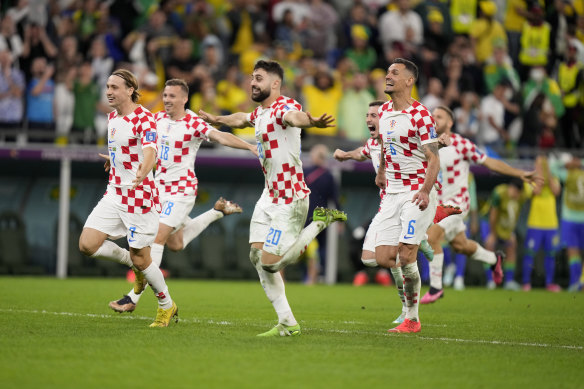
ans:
x=178 y=143
x=279 y=151
x=372 y=150
x=455 y=163
x=127 y=137
x=404 y=132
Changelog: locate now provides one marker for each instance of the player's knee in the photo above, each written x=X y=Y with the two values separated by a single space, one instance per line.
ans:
x=255 y=255
x=369 y=262
x=458 y=246
x=86 y=247
x=174 y=246
x=272 y=267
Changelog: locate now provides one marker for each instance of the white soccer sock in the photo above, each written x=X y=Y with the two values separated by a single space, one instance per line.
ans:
x=306 y=236
x=156 y=251
x=112 y=252
x=399 y=284
x=436 y=271
x=156 y=280
x=273 y=285
x=484 y=255
x=412 y=285
x=195 y=226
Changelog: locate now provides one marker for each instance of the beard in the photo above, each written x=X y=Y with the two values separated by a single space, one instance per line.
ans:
x=260 y=96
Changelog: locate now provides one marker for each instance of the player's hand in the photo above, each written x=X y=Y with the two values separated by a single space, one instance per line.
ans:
x=140 y=176
x=322 y=121
x=533 y=179
x=444 y=141
x=380 y=180
x=340 y=155
x=107 y=163
x=254 y=150
x=421 y=199
x=209 y=118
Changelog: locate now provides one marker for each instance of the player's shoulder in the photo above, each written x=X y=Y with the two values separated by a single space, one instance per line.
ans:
x=418 y=108
x=372 y=143
x=386 y=107
x=286 y=103
x=112 y=115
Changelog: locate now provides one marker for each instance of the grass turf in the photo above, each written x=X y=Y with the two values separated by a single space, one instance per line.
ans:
x=61 y=334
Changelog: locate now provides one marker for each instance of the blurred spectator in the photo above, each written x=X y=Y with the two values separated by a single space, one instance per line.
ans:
x=539 y=82
x=286 y=32
x=153 y=40
x=36 y=44
x=515 y=16
x=322 y=97
x=466 y=117
x=64 y=102
x=353 y=107
x=571 y=81
x=230 y=96
x=492 y=128
x=299 y=10
x=9 y=38
x=358 y=14
x=19 y=14
x=377 y=82
x=102 y=64
x=433 y=96
x=69 y=56
x=246 y=25
x=87 y=97
x=499 y=67
x=85 y=19
x=206 y=98
x=535 y=42
x=322 y=22
x=463 y=14
x=485 y=31
x=401 y=31
x=12 y=85
x=182 y=63
x=436 y=41
x=40 y=97
x=150 y=92
x=361 y=53
x=212 y=56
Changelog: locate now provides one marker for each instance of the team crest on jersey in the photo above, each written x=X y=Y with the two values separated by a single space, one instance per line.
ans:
x=112 y=132
x=150 y=136
x=433 y=134
x=392 y=124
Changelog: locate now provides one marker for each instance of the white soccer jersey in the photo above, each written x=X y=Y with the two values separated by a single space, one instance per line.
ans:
x=454 y=167
x=279 y=151
x=127 y=137
x=178 y=143
x=372 y=150
x=403 y=134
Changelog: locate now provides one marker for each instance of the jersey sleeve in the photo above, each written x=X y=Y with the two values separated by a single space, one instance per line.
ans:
x=201 y=129
x=286 y=106
x=366 y=150
x=146 y=127
x=471 y=152
x=426 y=127
x=252 y=116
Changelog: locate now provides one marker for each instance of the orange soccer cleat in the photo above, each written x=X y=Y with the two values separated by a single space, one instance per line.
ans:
x=443 y=211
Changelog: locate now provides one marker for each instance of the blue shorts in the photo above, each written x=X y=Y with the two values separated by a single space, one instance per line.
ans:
x=536 y=238
x=572 y=234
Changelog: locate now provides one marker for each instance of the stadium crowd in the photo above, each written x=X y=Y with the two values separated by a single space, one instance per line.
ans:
x=510 y=70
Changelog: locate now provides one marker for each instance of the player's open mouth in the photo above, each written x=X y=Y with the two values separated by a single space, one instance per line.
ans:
x=371 y=128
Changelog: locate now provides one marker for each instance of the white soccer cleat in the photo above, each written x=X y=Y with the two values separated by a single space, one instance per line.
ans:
x=227 y=207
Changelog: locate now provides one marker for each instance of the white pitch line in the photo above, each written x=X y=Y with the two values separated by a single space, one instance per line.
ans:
x=340 y=331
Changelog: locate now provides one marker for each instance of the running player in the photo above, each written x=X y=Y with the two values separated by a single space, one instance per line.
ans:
x=454 y=165
x=277 y=236
x=130 y=205
x=180 y=134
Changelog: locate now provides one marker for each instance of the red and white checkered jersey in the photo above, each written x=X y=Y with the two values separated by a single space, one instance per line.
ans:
x=454 y=167
x=279 y=151
x=372 y=150
x=178 y=143
x=127 y=137
x=403 y=134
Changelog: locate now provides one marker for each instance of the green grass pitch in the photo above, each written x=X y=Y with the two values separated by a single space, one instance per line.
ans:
x=61 y=334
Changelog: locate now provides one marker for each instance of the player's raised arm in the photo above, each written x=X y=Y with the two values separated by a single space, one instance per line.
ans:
x=498 y=166
x=304 y=120
x=230 y=140
x=355 y=155
x=235 y=120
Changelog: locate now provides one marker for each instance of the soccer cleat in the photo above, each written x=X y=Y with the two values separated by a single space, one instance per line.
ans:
x=449 y=273
x=443 y=211
x=429 y=298
x=164 y=316
x=124 y=304
x=458 y=283
x=575 y=287
x=282 y=330
x=497 y=268
x=406 y=327
x=526 y=287
x=491 y=285
x=555 y=288
x=227 y=207
x=400 y=319
x=512 y=285
x=427 y=250
x=328 y=216
x=139 y=281
x=361 y=278
x=382 y=277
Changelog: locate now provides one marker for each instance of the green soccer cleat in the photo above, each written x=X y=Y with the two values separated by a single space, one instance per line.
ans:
x=427 y=250
x=328 y=215
x=282 y=330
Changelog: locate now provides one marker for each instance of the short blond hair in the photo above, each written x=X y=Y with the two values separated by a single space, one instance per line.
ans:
x=130 y=81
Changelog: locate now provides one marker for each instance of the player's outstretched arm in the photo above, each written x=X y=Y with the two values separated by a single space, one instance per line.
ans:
x=107 y=163
x=304 y=120
x=146 y=166
x=356 y=155
x=235 y=120
x=230 y=140
x=422 y=198
x=501 y=167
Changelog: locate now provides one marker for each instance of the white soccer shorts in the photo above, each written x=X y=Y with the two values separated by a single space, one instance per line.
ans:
x=109 y=218
x=400 y=220
x=176 y=210
x=277 y=226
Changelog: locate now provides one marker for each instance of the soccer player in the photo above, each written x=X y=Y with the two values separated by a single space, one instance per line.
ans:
x=130 y=204
x=454 y=169
x=410 y=165
x=180 y=134
x=277 y=236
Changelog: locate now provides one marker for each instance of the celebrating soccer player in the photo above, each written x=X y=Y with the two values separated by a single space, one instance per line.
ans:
x=276 y=234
